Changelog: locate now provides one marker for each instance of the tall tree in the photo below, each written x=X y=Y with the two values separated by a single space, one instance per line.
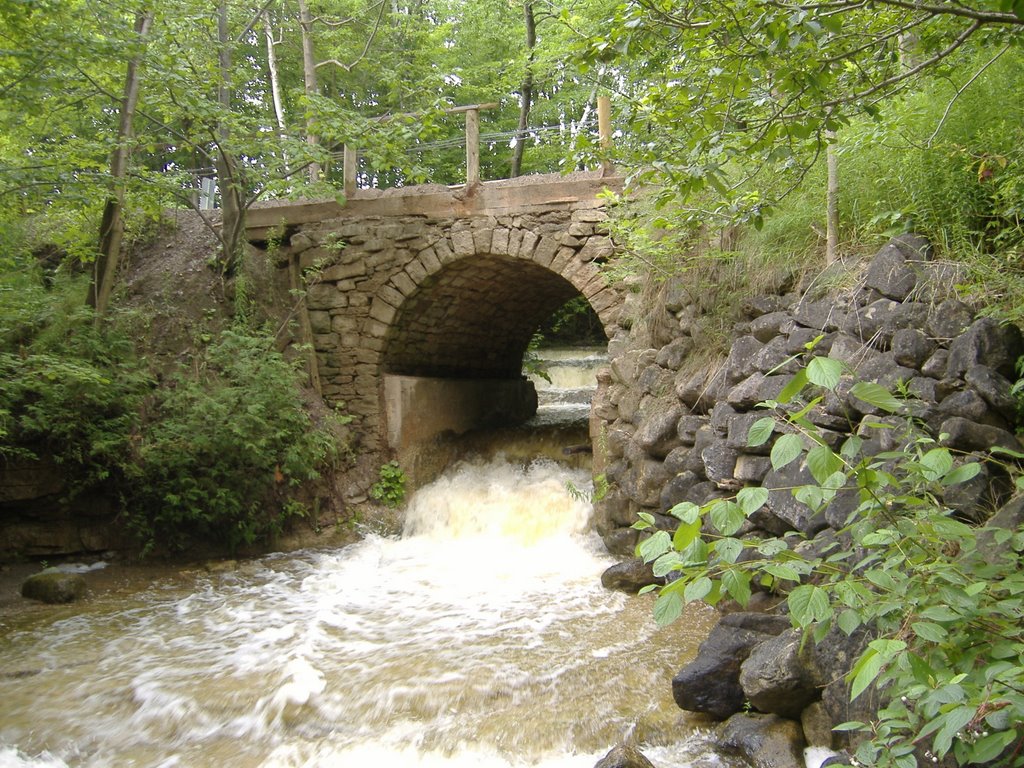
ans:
x=112 y=221
x=738 y=97
x=526 y=89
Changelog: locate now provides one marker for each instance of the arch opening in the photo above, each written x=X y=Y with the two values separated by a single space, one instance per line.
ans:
x=453 y=356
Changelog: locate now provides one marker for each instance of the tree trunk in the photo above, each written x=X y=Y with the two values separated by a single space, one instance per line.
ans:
x=832 y=200
x=275 y=82
x=309 y=77
x=112 y=222
x=228 y=172
x=525 y=90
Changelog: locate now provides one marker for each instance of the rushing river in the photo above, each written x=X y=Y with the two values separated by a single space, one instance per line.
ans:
x=480 y=637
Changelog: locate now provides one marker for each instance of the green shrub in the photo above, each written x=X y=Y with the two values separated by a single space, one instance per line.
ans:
x=69 y=391
x=943 y=608
x=225 y=439
x=389 y=490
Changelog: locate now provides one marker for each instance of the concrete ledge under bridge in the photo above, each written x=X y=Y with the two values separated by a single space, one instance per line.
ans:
x=418 y=409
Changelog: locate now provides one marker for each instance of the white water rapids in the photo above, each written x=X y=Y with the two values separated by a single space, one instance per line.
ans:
x=481 y=637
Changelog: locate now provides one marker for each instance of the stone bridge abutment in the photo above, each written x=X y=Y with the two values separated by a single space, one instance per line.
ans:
x=421 y=302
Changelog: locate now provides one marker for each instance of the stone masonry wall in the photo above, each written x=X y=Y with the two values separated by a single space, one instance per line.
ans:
x=441 y=296
x=672 y=434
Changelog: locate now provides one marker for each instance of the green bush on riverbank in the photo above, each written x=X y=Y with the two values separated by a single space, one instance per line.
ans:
x=208 y=455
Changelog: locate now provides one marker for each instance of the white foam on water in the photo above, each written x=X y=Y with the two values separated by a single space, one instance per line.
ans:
x=480 y=637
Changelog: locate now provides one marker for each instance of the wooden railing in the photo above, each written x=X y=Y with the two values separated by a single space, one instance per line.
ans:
x=472 y=113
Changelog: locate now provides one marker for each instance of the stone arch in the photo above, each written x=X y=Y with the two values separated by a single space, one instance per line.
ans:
x=454 y=325
x=473 y=316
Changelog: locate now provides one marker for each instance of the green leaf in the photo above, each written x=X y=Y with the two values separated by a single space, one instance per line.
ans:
x=849 y=725
x=686 y=511
x=726 y=516
x=793 y=387
x=646 y=521
x=990 y=747
x=926 y=630
x=875 y=395
x=667 y=608
x=962 y=474
x=825 y=372
x=786 y=449
x=953 y=722
x=685 y=535
x=849 y=620
x=751 y=499
x=760 y=431
x=823 y=462
x=864 y=672
x=780 y=571
x=936 y=463
x=728 y=549
x=655 y=546
x=807 y=604
x=737 y=584
x=697 y=589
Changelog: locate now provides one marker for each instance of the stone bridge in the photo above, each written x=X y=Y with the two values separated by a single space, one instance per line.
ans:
x=421 y=301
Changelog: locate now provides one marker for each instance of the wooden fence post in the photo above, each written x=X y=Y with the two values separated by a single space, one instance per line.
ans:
x=348 y=171
x=472 y=148
x=604 y=132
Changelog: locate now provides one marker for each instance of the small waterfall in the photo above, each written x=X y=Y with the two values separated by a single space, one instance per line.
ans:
x=480 y=638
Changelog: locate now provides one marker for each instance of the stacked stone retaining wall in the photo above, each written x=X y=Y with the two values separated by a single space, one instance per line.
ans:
x=671 y=434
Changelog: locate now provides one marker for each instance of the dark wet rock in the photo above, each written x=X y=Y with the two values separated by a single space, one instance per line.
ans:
x=890 y=274
x=630 y=576
x=948 y=320
x=822 y=315
x=758 y=306
x=773 y=678
x=994 y=388
x=657 y=432
x=711 y=682
x=719 y=462
x=741 y=362
x=911 y=347
x=767 y=623
x=624 y=756
x=985 y=342
x=687 y=428
x=966 y=435
x=643 y=482
x=765 y=741
x=970 y=405
x=755 y=389
x=677 y=489
x=673 y=355
x=783 y=512
x=768 y=326
x=816 y=725
x=935 y=366
x=621 y=541
x=54 y=587
x=751 y=469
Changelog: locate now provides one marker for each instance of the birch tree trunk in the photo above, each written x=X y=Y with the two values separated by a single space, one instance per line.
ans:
x=309 y=78
x=112 y=222
x=275 y=83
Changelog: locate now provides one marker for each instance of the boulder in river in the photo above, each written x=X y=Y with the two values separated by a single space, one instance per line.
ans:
x=54 y=587
x=624 y=756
